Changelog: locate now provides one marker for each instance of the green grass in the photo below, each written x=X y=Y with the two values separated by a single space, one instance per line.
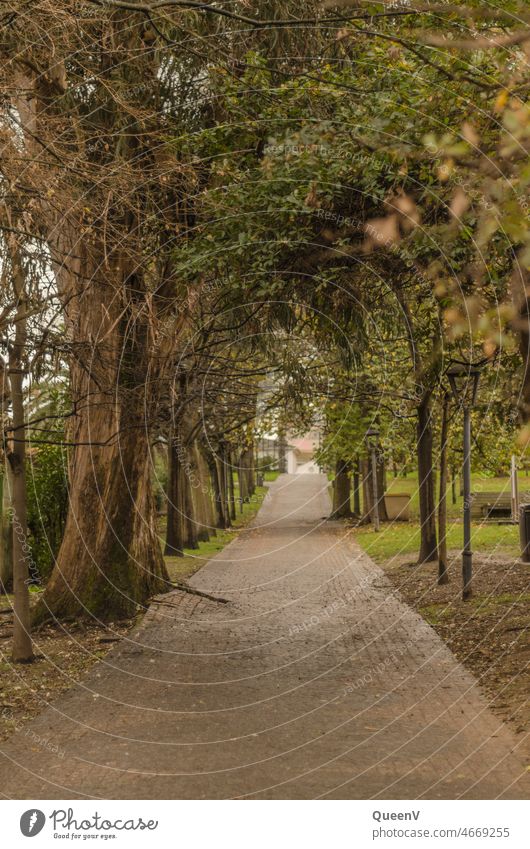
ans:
x=180 y=568
x=8 y=599
x=435 y=613
x=479 y=483
x=404 y=538
x=487 y=604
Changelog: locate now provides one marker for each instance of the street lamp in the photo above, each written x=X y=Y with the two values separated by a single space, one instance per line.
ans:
x=373 y=434
x=463 y=380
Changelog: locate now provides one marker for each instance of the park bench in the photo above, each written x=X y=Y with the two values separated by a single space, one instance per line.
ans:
x=494 y=505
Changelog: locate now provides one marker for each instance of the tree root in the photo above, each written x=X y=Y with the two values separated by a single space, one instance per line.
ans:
x=186 y=589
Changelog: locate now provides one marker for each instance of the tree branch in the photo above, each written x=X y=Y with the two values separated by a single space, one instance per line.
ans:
x=255 y=23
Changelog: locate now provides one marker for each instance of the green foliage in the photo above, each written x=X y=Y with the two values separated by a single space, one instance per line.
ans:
x=160 y=476
x=267 y=463
x=425 y=147
x=47 y=494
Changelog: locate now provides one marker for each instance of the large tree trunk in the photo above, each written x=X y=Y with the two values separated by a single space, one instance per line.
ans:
x=428 y=546
x=443 y=577
x=368 y=503
x=111 y=258
x=191 y=527
x=200 y=495
x=6 y=531
x=22 y=649
x=110 y=561
x=368 y=492
x=246 y=475
x=341 y=491
x=175 y=501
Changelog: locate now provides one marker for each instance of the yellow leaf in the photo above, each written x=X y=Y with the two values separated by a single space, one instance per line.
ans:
x=501 y=101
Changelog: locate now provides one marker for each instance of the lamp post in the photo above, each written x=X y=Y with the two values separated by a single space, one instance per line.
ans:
x=464 y=379
x=372 y=434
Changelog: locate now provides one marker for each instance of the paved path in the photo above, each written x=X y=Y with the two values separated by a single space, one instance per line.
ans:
x=316 y=680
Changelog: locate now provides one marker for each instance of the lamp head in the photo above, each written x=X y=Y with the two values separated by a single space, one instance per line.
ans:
x=463 y=380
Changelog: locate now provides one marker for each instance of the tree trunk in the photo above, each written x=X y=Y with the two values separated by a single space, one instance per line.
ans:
x=242 y=480
x=200 y=495
x=6 y=532
x=453 y=485
x=206 y=489
x=175 y=502
x=110 y=282
x=110 y=561
x=251 y=471
x=22 y=651
x=428 y=546
x=245 y=474
x=381 y=487
x=368 y=492
x=223 y=487
x=218 y=496
x=191 y=539
x=520 y=289
x=368 y=502
x=443 y=577
x=341 y=491
x=231 y=491
x=356 y=488
x=182 y=526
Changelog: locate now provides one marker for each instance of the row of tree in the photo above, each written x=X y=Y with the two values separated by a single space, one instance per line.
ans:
x=195 y=198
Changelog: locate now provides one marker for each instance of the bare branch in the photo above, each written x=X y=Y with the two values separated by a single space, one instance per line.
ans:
x=256 y=23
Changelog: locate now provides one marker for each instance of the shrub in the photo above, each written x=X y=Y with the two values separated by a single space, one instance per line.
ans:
x=47 y=493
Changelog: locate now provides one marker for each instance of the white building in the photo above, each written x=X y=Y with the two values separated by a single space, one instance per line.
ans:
x=301 y=452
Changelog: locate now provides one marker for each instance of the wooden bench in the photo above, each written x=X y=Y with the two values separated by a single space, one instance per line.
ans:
x=494 y=505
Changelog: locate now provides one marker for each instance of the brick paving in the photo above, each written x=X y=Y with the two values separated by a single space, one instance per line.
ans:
x=314 y=681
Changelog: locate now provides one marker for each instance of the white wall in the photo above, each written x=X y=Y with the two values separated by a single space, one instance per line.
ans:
x=291 y=462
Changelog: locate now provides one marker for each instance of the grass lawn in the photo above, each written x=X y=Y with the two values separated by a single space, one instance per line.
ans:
x=479 y=483
x=398 y=538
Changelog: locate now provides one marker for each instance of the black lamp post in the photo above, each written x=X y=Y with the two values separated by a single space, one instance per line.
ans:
x=373 y=434
x=464 y=379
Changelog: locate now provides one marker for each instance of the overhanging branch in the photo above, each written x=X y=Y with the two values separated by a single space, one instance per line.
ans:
x=255 y=23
